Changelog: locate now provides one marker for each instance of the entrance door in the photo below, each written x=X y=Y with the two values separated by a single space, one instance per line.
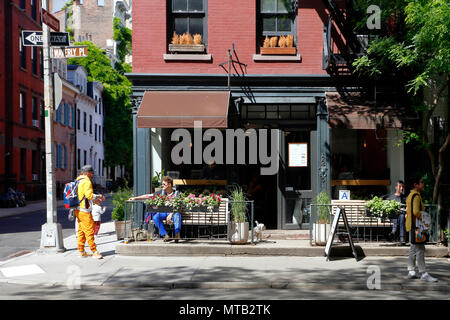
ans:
x=296 y=182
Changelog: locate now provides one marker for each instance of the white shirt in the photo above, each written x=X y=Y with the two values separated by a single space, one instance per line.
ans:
x=97 y=211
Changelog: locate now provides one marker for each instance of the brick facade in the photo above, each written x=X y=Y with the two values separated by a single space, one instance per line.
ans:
x=20 y=141
x=228 y=22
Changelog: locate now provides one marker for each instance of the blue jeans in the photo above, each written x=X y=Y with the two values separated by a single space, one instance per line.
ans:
x=159 y=217
x=400 y=221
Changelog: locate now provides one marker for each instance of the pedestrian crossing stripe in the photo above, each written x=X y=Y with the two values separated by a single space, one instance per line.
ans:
x=18 y=271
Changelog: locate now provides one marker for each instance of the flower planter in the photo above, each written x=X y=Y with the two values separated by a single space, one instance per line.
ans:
x=320 y=233
x=203 y=209
x=186 y=48
x=120 y=229
x=238 y=233
x=151 y=208
x=278 y=50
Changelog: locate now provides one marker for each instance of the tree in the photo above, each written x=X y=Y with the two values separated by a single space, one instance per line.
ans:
x=118 y=121
x=415 y=43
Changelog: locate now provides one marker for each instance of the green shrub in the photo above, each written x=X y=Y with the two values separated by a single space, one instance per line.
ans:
x=238 y=205
x=119 y=199
x=383 y=209
x=323 y=207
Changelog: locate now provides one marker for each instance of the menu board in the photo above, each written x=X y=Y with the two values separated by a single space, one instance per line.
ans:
x=298 y=154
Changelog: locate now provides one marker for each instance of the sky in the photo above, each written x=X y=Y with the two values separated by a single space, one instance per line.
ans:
x=58 y=4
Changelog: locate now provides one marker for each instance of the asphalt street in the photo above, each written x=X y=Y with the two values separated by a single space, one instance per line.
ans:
x=22 y=233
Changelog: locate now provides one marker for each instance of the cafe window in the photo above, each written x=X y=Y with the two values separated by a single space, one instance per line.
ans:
x=188 y=17
x=276 y=18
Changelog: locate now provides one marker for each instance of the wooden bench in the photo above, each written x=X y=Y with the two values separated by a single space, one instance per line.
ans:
x=355 y=211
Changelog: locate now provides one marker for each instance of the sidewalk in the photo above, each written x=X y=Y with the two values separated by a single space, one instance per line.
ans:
x=212 y=271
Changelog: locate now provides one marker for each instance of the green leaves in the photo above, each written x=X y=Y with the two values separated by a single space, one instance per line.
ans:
x=383 y=209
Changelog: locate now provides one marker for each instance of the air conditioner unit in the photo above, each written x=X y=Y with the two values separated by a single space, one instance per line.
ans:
x=35 y=123
x=34 y=177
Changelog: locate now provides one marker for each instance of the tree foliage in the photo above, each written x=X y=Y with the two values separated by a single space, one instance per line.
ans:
x=414 y=43
x=118 y=140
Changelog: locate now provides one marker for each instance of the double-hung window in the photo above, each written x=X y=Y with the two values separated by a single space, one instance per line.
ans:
x=277 y=18
x=188 y=16
x=22 y=53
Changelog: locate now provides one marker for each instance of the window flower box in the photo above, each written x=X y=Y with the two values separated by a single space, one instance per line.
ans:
x=278 y=51
x=200 y=48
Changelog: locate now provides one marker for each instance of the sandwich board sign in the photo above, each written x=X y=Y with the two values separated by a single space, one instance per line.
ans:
x=35 y=38
x=68 y=52
x=339 y=212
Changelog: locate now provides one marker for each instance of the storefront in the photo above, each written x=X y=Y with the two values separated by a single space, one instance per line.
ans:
x=289 y=115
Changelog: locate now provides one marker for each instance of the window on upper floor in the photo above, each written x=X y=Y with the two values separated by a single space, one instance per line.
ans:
x=277 y=26
x=22 y=52
x=33 y=9
x=187 y=23
x=41 y=62
x=22 y=4
x=101 y=3
x=23 y=108
x=34 y=58
x=84 y=121
x=90 y=124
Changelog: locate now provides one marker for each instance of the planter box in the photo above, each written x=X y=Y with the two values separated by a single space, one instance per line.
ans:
x=159 y=209
x=238 y=233
x=203 y=209
x=186 y=48
x=120 y=229
x=278 y=50
x=320 y=233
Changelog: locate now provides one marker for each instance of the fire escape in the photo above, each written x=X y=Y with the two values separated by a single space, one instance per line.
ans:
x=338 y=63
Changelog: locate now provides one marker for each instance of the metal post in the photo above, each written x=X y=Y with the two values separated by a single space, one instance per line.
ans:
x=51 y=236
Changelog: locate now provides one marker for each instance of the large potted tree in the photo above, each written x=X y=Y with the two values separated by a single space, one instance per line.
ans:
x=238 y=232
x=321 y=218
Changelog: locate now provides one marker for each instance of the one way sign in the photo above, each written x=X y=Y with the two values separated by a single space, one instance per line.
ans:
x=35 y=38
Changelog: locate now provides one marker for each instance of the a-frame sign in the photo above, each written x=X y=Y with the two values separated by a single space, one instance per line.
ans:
x=339 y=212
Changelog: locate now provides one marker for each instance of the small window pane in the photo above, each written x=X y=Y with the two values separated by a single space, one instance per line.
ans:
x=284 y=24
x=181 y=25
x=195 y=5
x=196 y=26
x=284 y=6
x=269 y=23
x=268 y=5
x=179 y=5
x=272 y=115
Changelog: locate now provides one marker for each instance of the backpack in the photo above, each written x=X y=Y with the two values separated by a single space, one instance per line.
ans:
x=71 y=200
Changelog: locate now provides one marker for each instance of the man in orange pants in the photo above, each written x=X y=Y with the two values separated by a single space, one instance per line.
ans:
x=86 y=224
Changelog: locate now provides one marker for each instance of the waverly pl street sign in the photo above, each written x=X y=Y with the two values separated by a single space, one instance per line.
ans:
x=35 y=38
x=68 y=52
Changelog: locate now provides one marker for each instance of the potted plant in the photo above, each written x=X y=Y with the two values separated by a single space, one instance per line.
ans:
x=239 y=227
x=118 y=213
x=382 y=209
x=156 y=180
x=321 y=223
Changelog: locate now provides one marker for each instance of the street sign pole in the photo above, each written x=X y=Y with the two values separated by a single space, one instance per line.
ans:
x=51 y=235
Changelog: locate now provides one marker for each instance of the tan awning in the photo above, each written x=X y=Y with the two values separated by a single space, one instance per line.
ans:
x=179 y=109
x=352 y=111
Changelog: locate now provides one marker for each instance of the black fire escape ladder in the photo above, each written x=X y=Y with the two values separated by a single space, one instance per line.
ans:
x=353 y=45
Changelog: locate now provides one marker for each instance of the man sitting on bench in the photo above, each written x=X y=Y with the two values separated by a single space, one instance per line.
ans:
x=159 y=217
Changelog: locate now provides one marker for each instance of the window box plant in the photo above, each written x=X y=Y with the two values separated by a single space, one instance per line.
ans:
x=239 y=226
x=186 y=43
x=283 y=45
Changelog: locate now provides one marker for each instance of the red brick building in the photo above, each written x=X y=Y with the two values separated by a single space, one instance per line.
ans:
x=21 y=100
x=298 y=84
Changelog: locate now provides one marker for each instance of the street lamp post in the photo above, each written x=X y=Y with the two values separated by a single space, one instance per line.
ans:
x=51 y=235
